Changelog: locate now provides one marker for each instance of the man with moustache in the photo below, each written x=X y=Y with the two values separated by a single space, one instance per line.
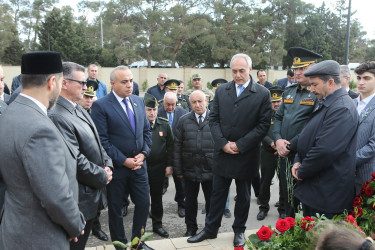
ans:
x=89 y=96
x=237 y=134
x=94 y=167
x=297 y=105
x=325 y=161
x=268 y=157
x=124 y=130
x=37 y=165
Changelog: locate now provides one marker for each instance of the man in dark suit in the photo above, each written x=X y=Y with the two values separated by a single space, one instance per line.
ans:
x=345 y=80
x=170 y=111
x=124 y=131
x=39 y=168
x=326 y=151
x=287 y=81
x=237 y=134
x=262 y=79
x=94 y=167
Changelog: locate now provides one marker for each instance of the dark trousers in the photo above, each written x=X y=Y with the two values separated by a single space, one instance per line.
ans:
x=96 y=223
x=180 y=189
x=288 y=203
x=268 y=165
x=136 y=184
x=192 y=190
x=220 y=187
x=309 y=211
x=255 y=183
x=156 y=176
x=82 y=239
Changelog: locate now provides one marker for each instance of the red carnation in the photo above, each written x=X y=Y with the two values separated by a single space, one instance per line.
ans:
x=264 y=233
x=373 y=206
x=369 y=191
x=373 y=175
x=307 y=223
x=358 y=211
x=238 y=248
x=291 y=220
x=282 y=225
x=351 y=220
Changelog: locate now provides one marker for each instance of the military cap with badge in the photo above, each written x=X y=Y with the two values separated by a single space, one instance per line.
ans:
x=92 y=86
x=302 y=57
x=217 y=82
x=196 y=76
x=150 y=101
x=276 y=93
x=172 y=84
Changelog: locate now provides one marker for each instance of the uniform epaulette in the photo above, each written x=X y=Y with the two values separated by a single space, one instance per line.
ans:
x=160 y=101
x=292 y=85
x=163 y=119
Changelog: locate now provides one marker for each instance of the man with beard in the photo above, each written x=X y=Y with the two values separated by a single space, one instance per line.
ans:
x=41 y=201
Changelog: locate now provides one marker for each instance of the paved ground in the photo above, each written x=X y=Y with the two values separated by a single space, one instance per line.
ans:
x=176 y=225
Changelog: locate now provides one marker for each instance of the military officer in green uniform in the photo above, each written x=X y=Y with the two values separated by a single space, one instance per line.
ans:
x=181 y=95
x=89 y=95
x=268 y=157
x=198 y=85
x=159 y=162
x=297 y=105
x=171 y=86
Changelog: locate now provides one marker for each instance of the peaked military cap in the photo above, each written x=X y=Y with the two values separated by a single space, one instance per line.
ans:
x=41 y=63
x=216 y=83
x=328 y=67
x=195 y=76
x=91 y=87
x=150 y=101
x=276 y=93
x=302 y=57
x=172 y=84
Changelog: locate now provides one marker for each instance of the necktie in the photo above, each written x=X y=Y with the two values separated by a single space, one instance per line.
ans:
x=170 y=119
x=241 y=88
x=151 y=124
x=200 y=120
x=130 y=114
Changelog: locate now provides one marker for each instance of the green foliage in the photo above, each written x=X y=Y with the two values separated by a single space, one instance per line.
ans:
x=144 y=85
x=209 y=86
x=352 y=84
x=275 y=82
x=190 y=84
x=135 y=243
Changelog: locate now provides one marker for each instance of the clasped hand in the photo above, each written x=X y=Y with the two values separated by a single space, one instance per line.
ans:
x=231 y=148
x=134 y=163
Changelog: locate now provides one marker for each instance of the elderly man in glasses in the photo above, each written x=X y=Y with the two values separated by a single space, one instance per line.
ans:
x=94 y=167
x=158 y=91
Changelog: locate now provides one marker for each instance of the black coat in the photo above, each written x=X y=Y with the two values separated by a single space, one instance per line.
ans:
x=327 y=150
x=193 y=149
x=244 y=120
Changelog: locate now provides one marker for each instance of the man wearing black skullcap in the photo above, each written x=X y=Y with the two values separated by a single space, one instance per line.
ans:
x=326 y=152
x=38 y=166
x=297 y=105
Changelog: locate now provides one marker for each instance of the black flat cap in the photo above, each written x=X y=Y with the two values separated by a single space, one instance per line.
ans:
x=41 y=63
x=150 y=101
x=216 y=83
x=302 y=57
x=328 y=67
x=172 y=84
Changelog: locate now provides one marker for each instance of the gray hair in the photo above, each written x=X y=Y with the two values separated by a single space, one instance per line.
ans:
x=345 y=70
x=241 y=55
x=70 y=67
x=198 y=92
x=170 y=95
x=112 y=76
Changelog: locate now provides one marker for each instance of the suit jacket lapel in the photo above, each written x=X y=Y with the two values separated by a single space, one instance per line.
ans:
x=117 y=107
x=367 y=110
x=231 y=90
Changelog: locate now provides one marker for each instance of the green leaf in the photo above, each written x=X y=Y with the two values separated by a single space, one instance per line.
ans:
x=146 y=236
x=119 y=244
x=135 y=241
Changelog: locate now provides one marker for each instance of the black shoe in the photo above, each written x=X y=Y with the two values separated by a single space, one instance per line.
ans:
x=239 y=240
x=277 y=204
x=227 y=213
x=160 y=231
x=258 y=201
x=190 y=233
x=261 y=215
x=282 y=215
x=235 y=198
x=203 y=211
x=124 y=211
x=100 y=235
x=164 y=190
x=203 y=235
x=181 y=211
x=144 y=246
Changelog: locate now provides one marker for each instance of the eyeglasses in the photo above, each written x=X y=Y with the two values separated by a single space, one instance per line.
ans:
x=81 y=82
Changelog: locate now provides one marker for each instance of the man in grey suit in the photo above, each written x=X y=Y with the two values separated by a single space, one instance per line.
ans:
x=38 y=166
x=365 y=163
x=3 y=96
x=345 y=80
x=94 y=167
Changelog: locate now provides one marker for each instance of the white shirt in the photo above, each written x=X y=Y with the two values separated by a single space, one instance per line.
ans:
x=245 y=86
x=203 y=116
x=120 y=100
x=40 y=105
x=362 y=103
x=2 y=96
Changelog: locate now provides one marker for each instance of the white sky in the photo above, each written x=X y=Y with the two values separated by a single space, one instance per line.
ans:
x=365 y=11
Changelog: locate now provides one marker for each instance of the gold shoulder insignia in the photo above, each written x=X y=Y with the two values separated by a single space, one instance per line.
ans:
x=292 y=85
x=163 y=119
x=308 y=88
